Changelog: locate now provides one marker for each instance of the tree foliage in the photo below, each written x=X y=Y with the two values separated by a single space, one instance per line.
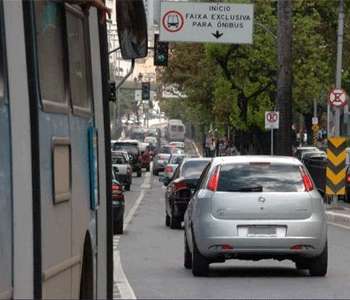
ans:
x=233 y=85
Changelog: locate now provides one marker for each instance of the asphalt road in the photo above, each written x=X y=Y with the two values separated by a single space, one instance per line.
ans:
x=152 y=259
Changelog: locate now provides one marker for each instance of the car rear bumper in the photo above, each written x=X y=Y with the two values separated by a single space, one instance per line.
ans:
x=212 y=233
x=118 y=210
x=124 y=179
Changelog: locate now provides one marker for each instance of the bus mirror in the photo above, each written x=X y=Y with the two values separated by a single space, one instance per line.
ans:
x=132 y=28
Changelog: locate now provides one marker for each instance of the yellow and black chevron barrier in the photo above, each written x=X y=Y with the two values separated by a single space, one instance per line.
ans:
x=336 y=171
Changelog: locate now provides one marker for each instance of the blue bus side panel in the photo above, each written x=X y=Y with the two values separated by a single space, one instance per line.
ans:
x=5 y=202
x=55 y=219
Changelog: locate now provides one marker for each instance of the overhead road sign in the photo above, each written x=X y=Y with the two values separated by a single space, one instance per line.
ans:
x=337 y=97
x=336 y=167
x=216 y=22
x=272 y=119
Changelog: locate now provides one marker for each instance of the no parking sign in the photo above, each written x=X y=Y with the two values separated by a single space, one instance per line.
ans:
x=272 y=119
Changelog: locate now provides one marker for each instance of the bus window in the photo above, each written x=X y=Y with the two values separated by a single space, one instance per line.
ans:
x=79 y=66
x=173 y=128
x=180 y=129
x=51 y=59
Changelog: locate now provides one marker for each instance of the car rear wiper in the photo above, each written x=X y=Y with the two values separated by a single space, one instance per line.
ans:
x=256 y=188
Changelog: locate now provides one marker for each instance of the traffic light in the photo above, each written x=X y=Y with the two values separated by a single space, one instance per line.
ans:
x=112 y=91
x=146 y=87
x=160 y=52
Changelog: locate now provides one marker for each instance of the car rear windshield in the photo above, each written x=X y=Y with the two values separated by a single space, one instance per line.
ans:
x=130 y=148
x=258 y=177
x=176 y=159
x=118 y=159
x=193 y=169
x=163 y=156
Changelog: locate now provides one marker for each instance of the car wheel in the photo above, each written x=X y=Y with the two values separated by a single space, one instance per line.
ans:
x=200 y=265
x=318 y=265
x=187 y=255
x=119 y=227
x=127 y=187
x=167 y=220
x=139 y=173
x=175 y=223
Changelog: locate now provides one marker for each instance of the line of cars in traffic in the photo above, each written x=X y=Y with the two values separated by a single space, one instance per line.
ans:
x=128 y=157
x=245 y=207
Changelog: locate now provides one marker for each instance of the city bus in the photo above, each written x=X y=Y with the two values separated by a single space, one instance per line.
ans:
x=56 y=235
x=176 y=130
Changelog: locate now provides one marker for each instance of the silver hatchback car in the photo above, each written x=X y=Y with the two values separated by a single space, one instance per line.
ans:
x=256 y=207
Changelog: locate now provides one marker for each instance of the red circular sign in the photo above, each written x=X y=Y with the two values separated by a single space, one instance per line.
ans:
x=337 y=97
x=272 y=117
x=173 y=21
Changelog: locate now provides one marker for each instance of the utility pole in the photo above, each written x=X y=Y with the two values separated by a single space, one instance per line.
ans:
x=339 y=62
x=284 y=81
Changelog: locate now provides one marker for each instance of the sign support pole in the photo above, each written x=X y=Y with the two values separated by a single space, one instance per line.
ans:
x=271 y=141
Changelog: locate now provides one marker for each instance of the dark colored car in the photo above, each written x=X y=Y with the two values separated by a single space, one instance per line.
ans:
x=118 y=204
x=132 y=147
x=159 y=162
x=181 y=188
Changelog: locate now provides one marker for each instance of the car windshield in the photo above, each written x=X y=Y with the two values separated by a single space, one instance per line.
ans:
x=176 y=160
x=130 y=148
x=260 y=177
x=193 y=168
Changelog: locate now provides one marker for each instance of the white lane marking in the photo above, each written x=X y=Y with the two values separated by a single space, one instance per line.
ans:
x=339 y=225
x=120 y=279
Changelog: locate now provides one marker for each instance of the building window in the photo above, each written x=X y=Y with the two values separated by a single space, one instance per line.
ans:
x=51 y=55
x=79 y=64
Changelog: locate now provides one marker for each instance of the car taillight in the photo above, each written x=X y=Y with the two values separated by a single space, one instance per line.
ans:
x=129 y=170
x=214 y=180
x=116 y=188
x=168 y=169
x=180 y=186
x=308 y=184
x=348 y=178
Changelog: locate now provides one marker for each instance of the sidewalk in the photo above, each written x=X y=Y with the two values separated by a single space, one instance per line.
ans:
x=339 y=214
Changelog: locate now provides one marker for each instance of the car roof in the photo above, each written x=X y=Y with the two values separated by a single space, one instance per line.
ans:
x=288 y=160
x=307 y=148
x=197 y=159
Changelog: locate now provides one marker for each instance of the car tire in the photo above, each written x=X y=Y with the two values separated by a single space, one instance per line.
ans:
x=119 y=227
x=175 y=223
x=127 y=187
x=318 y=265
x=187 y=255
x=139 y=173
x=167 y=220
x=200 y=265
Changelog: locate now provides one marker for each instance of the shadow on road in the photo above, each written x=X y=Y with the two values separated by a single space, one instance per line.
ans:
x=232 y=271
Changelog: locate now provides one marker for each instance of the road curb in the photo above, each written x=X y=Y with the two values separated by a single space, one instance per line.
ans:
x=338 y=218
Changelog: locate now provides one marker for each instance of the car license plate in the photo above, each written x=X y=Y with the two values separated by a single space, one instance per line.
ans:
x=262 y=231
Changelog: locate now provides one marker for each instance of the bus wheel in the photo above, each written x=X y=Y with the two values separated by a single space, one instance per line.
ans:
x=87 y=281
